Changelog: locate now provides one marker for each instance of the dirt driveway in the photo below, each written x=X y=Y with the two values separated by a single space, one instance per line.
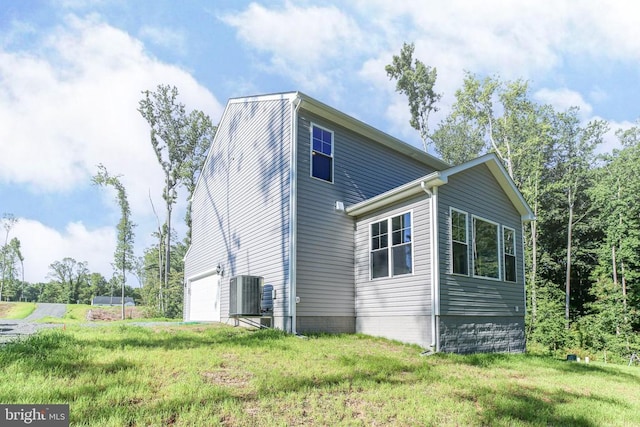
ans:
x=11 y=329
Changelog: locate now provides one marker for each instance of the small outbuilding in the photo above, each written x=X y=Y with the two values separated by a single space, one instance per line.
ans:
x=113 y=301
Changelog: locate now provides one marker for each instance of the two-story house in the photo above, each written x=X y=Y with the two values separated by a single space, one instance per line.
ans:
x=355 y=230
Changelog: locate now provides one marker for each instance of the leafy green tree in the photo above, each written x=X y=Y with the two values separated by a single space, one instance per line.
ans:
x=174 y=292
x=199 y=135
x=32 y=291
x=180 y=141
x=13 y=266
x=96 y=285
x=7 y=221
x=489 y=115
x=550 y=329
x=53 y=292
x=614 y=195
x=415 y=80
x=69 y=276
x=123 y=255
x=573 y=163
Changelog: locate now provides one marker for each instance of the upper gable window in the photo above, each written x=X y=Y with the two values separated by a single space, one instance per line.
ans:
x=321 y=153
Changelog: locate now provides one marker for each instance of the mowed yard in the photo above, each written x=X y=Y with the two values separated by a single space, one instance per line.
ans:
x=207 y=375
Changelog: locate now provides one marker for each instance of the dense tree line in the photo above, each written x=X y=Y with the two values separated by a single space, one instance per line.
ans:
x=583 y=250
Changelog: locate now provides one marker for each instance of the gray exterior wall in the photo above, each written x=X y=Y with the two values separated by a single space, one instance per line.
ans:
x=477 y=192
x=325 y=238
x=241 y=204
x=396 y=307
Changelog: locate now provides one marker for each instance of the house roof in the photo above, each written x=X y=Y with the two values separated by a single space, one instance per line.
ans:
x=439 y=178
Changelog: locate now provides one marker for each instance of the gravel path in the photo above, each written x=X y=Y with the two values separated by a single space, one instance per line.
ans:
x=12 y=329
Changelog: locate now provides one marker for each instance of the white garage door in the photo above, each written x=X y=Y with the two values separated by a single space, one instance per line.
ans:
x=204 y=299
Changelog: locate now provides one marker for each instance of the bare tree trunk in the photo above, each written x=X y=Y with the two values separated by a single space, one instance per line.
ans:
x=167 y=257
x=623 y=280
x=568 y=276
x=534 y=269
x=614 y=265
x=124 y=278
x=160 y=253
x=4 y=260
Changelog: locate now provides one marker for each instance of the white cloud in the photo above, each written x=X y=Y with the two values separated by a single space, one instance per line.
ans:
x=304 y=42
x=165 y=37
x=72 y=104
x=611 y=141
x=527 y=39
x=42 y=245
x=563 y=99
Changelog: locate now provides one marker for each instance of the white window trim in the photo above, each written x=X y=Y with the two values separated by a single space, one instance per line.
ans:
x=333 y=149
x=390 y=246
x=498 y=245
x=466 y=227
x=515 y=254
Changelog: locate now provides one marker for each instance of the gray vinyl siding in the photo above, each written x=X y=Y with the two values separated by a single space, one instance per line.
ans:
x=241 y=204
x=325 y=237
x=477 y=192
x=396 y=307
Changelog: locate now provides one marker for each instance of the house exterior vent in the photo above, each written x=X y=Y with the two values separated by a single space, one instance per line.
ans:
x=245 y=294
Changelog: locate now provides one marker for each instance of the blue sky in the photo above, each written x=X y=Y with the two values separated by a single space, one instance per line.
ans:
x=72 y=72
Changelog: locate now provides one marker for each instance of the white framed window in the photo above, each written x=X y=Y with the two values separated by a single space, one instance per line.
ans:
x=391 y=257
x=321 y=153
x=509 y=253
x=486 y=249
x=459 y=232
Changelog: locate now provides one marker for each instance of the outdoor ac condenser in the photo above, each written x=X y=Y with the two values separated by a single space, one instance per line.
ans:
x=245 y=294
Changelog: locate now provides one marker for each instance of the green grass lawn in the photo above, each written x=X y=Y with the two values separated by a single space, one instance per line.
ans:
x=16 y=310
x=207 y=375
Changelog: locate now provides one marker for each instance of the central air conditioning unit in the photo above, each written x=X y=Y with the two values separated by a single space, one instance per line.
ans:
x=245 y=294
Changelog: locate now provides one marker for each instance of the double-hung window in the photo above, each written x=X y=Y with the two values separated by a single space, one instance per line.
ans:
x=509 y=250
x=321 y=153
x=486 y=251
x=459 y=242
x=391 y=257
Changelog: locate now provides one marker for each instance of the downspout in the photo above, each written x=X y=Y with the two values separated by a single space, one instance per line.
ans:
x=293 y=200
x=435 y=263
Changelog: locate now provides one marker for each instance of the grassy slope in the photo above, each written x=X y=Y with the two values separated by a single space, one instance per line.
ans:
x=196 y=375
x=16 y=310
